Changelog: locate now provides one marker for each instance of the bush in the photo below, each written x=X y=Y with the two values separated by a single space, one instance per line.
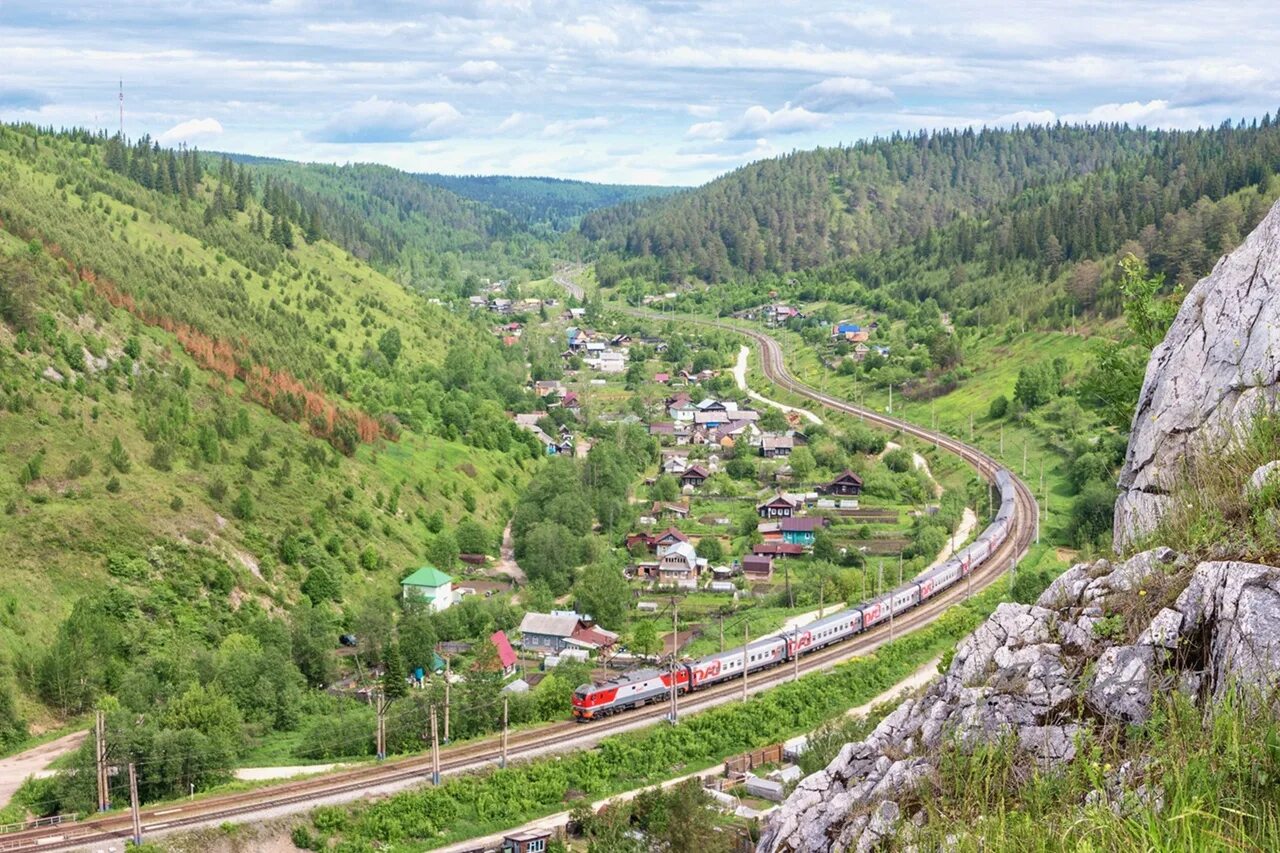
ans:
x=242 y=507
x=999 y=408
x=218 y=489
x=898 y=461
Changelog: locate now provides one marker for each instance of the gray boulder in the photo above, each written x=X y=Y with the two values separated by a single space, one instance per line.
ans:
x=1217 y=367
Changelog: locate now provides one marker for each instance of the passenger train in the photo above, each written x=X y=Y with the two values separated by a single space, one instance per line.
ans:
x=634 y=689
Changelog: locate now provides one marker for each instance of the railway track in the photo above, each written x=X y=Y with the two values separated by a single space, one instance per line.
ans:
x=112 y=830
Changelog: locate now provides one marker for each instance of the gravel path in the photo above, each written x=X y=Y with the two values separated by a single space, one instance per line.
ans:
x=15 y=769
x=740 y=376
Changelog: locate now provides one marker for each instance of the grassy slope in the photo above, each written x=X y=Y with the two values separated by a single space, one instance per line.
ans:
x=60 y=531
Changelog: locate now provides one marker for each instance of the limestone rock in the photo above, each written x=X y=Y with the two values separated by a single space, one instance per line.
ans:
x=1218 y=365
x=51 y=374
x=1122 y=685
x=1021 y=674
x=1264 y=473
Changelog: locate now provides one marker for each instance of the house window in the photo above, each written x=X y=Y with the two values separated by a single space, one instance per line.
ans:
x=536 y=846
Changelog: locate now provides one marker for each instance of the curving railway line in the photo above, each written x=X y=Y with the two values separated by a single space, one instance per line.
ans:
x=112 y=830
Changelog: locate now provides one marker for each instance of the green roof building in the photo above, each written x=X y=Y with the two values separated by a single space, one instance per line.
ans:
x=430 y=585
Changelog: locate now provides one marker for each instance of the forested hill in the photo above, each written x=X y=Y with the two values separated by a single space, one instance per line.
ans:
x=425 y=235
x=1064 y=193
x=550 y=203
x=214 y=420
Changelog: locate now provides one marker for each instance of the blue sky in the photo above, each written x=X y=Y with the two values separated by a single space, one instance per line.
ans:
x=664 y=91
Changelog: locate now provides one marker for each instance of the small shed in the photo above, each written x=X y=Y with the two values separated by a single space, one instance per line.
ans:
x=529 y=841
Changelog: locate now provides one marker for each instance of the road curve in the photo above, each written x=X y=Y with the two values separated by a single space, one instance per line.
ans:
x=560 y=737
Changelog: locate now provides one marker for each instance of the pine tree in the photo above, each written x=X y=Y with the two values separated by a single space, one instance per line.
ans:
x=394 y=674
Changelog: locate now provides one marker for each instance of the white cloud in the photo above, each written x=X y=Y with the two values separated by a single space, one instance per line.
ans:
x=1024 y=118
x=378 y=120
x=511 y=122
x=569 y=127
x=1155 y=113
x=592 y=33
x=701 y=110
x=759 y=121
x=186 y=131
x=477 y=70
x=836 y=93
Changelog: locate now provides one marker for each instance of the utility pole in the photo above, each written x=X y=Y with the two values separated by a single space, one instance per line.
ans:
x=504 y=731
x=891 y=398
x=100 y=738
x=133 y=805
x=435 y=749
x=795 y=654
x=381 y=706
x=746 y=643
x=933 y=414
x=822 y=588
x=880 y=579
x=446 y=700
x=675 y=646
x=971 y=427
x=786 y=571
x=722 y=633
x=899 y=568
x=1024 y=457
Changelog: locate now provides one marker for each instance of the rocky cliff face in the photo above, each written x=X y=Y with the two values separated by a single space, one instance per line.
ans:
x=1041 y=674
x=1106 y=639
x=1219 y=363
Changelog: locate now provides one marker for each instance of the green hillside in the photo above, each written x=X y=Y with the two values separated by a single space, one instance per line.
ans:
x=550 y=203
x=420 y=234
x=208 y=423
x=1057 y=194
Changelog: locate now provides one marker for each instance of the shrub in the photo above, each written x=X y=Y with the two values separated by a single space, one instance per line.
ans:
x=999 y=407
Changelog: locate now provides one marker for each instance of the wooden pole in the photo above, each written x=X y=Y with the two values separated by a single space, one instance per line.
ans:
x=675 y=645
x=100 y=749
x=504 y=731
x=795 y=654
x=382 y=726
x=133 y=805
x=435 y=749
x=746 y=643
x=722 y=633
x=446 y=700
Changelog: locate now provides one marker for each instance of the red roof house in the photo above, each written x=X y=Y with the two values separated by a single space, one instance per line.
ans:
x=506 y=654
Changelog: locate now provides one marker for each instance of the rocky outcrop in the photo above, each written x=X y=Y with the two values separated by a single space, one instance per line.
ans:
x=1218 y=365
x=1039 y=676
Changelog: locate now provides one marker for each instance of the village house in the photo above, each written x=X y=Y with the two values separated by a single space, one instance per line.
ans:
x=675 y=465
x=611 y=362
x=757 y=567
x=680 y=566
x=694 y=476
x=848 y=484
x=548 y=633
x=571 y=403
x=801 y=531
x=668 y=539
x=547 y=387
x=665 y=510
x=506 y=655
x=777 y=549
x=528 y=841
x=428 y=585
x=775 y=446
x=779 y=506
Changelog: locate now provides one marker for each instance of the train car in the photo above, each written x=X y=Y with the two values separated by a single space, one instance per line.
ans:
x=834 y=628
x=904 y=598
x=875 y=611
x=933 y=582
x=761 y=654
